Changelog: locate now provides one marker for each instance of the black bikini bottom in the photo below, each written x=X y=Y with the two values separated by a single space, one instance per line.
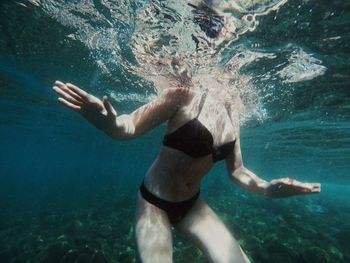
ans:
x=175 y=210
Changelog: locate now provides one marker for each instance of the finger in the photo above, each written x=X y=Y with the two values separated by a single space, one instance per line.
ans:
x=310 y=192
x=301 y=185
x=66 y=96
x=311 y=188
x=71 y=93
x=307 y=188
x=63 y=87
x=83 y=94
x=59 y=83
x=108 y=106
x=316 y=188
x=69 y=105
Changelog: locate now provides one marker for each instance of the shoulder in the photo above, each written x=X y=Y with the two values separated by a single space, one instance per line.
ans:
x=178 y=96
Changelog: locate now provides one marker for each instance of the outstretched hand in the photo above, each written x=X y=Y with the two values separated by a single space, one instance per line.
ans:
x=286 y=187
x=99 y=113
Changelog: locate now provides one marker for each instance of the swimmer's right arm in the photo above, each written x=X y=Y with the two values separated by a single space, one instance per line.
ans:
x=150 y=115
x=103 y=116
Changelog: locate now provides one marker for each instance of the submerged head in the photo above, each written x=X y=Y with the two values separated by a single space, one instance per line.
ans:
x=209 y=21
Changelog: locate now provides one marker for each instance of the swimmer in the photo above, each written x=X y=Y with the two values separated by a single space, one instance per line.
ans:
x=195 y=139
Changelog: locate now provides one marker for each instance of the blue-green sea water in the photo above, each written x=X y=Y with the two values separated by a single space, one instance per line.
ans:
x=67 y=192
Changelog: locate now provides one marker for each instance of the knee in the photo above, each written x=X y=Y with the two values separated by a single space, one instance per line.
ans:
x=154 y=250
x=154 y=245
x=227 y=251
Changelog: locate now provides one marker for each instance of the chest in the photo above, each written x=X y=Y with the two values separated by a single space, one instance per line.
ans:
x=211 y=118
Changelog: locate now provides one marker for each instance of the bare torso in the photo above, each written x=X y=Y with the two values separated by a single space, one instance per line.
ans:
x=174 y=175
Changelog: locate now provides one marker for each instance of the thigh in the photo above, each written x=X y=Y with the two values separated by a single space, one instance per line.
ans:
x=203 y=227
x=153 y=233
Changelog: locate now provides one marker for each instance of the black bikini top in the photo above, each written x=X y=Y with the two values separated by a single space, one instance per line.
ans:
x=195 y=140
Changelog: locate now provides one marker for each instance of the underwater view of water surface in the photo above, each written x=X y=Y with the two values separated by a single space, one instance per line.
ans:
x=68 y=192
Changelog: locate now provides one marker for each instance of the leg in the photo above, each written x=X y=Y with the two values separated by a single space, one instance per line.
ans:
x=153 y=233
x=203 y=227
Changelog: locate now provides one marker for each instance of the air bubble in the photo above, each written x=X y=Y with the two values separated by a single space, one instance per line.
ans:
x=250 y=18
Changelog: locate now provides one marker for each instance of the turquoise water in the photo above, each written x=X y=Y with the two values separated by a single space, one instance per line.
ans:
x=67 y=192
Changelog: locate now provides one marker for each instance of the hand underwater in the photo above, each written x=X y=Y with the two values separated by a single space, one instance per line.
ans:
x=99 y=113
x=285 y=187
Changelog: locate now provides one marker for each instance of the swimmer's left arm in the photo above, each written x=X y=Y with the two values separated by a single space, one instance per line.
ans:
x=241 y=175
x=277 y=188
